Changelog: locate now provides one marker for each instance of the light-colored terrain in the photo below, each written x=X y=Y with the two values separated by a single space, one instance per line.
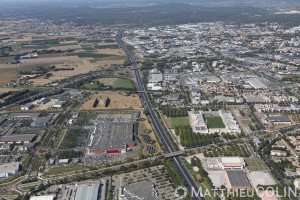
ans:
x=119 y=100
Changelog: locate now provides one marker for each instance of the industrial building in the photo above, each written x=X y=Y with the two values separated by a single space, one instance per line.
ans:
x=229 y=121
x=279 y=120
x=236 y=180
x=197 y=122
x=144 y=190
x=28 y=106
x=19 y=116
x=112 y=137
x=155 y=76
x=9 y=169
x=17 y=138
x=257 y=84
x=226 y=163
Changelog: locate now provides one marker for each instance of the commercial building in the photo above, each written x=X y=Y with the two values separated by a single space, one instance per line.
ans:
x=229 y=121
x=226 y=163
x=237 y=180
x=197 y=122
x=112 y=137
x=9 y=169
x=90 y=192
x=144 y=190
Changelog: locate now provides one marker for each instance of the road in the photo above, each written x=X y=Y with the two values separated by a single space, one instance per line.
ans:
x=189 y=181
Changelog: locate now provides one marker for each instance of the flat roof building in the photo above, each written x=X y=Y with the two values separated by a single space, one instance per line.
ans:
x=229 y=121
x=279 y=120
x=17 y=138
x=197 y=122
x=9 y=169
x=47 y=197
x=112 y=137
x=226 y=163
x=90 y=192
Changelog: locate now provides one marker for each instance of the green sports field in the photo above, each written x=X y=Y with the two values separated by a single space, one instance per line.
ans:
x=214 y=122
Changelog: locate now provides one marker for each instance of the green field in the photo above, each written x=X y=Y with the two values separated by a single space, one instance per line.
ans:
x=214 y=122
x=91 y=86
x=89 y=54
x=123 y=83
x=8 y=62
x=181 y=121
x=255 y=164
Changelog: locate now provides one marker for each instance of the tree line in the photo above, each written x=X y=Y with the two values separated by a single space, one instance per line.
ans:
x=174 y=112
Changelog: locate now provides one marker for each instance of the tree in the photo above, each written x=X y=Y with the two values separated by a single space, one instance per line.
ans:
x=107 y=102
x=96 y=103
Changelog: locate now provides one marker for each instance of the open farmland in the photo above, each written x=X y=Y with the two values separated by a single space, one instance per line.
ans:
x=214 y=122
x=119 y=100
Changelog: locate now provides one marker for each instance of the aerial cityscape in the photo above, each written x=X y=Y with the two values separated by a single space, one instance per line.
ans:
x=149 y=100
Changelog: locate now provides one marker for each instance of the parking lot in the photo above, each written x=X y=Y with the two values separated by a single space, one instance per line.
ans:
x=103 y=159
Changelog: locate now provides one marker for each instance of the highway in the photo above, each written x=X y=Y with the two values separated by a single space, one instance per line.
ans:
x=190 y=183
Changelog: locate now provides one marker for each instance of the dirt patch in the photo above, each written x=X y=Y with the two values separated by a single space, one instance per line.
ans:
x=8 y=75
x=2 y=90
x=119 y=100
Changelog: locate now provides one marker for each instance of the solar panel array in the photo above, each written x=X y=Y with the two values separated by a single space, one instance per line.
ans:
x=238 y=179
x=145 y=137
x=150 y=149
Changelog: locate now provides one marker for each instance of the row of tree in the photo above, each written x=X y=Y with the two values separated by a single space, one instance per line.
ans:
x=174 y=112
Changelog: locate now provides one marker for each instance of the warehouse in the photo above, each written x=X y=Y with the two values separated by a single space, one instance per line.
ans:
x=279 y=120
x=87 y=192
x=17 y=138
x=9 y=169
x=237 y=180
x=257 y=84
x=32 y=116
x=112 y=137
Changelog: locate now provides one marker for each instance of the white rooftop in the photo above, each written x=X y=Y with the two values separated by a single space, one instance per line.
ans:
x=48 y=197
x=231 y=160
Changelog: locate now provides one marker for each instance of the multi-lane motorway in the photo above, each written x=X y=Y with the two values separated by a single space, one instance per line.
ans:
x=190 y=183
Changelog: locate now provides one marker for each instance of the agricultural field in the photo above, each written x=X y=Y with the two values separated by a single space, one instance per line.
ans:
x=89 y=54
x=119 y=100
x=214 y=122
x=180 y=122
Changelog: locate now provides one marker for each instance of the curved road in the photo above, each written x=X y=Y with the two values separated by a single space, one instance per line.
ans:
x=189 y=181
